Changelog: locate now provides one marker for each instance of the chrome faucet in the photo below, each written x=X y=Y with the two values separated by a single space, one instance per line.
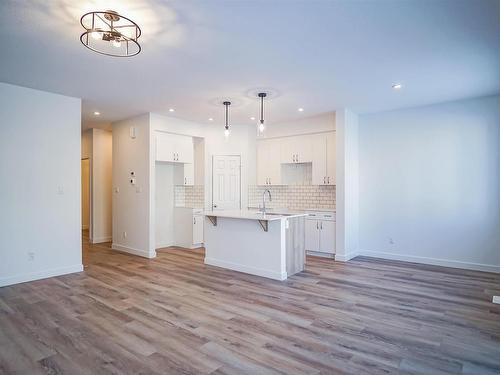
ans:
x=263 y=209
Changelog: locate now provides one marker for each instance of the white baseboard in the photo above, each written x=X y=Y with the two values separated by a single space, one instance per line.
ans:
x=346 y=257
x=320 y=254
x=246 y=269
x=162 y=245
x=4 y=281
x=130 y=250
x=432 y=261
x=102 y=239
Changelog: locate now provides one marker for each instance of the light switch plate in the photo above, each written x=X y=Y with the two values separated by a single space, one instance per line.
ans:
x=496 y=299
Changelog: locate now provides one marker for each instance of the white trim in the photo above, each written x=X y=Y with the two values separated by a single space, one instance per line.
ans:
x=320 y=254
x=40 y=275
x=346 y=257
x=246 y=269
x=102 y=239
x=162 y=245
x=432 y=261
x=130 y=250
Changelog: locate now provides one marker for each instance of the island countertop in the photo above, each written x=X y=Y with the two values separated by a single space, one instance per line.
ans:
x=254 y=215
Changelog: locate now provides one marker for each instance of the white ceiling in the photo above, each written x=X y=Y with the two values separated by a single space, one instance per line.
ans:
x=319 y=55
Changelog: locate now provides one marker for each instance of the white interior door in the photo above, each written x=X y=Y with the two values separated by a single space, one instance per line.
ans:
x=226 y=185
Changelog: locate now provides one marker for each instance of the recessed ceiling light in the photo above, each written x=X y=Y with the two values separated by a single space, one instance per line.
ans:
x=397 y=86
x=210 y=119
x=171 y=110
x=301 y=110
x=97 y=113
x=252 y=118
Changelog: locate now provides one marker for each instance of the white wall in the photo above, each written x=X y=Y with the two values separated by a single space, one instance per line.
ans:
x=102 y=141
x=430 y=181
x=132 y=204
x=164 y=205
x=97 y=146
x=312 y=124
x=40 y=225
x=347 y=186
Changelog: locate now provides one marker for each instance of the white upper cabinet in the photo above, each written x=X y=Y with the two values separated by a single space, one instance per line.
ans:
x=296 y=149
x=317 y=149
x=323 y=163
x=319 y=160
x=331 y=158
x=164 y=147
x=174 y=148
x=188 y=174
x=268 y=162
x=184 y=149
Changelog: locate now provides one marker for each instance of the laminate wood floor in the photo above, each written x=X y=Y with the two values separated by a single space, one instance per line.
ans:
x=175 y=315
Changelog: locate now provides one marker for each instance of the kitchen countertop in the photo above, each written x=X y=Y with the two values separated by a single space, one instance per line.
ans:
x=255 y=215
x=285 y=210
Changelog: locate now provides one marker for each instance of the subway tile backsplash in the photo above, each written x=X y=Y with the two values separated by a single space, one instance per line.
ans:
x=294 y=197
x=189 y=196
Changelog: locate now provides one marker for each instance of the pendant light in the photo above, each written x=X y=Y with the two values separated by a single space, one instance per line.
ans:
x=226 y=126
x=261 y=126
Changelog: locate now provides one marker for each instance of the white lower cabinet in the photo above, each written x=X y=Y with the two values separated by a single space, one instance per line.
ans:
x=197 y=229
x=188 y=227
x=320 y=234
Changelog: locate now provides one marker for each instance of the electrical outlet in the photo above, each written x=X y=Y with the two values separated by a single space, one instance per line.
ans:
x=31 y=256
x=124 y=234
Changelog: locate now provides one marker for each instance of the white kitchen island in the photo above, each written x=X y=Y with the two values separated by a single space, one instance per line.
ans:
x=270 y=245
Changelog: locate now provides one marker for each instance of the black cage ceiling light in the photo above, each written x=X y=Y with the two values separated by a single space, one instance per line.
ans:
x=110 y=33
x=226 y=126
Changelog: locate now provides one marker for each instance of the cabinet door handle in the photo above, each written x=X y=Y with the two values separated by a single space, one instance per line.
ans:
x=269 y=180
x=321 y=226
x=328 y=180
x=194 y=220
x=297 y=158
x=324 y=180
x=185 y=180
x=317 y=225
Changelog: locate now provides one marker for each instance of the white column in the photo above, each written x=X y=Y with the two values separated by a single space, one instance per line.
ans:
x=347 y=189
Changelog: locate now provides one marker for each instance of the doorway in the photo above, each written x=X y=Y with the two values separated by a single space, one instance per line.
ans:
x=226 y=182
x=86 y=221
